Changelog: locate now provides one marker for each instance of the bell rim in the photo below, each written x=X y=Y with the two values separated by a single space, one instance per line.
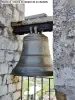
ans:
x=30 y=74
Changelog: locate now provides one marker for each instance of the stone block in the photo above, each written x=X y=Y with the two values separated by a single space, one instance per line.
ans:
x=3 y=90
x=4 y=42
x=17 y=56
x=2 y=19
x=21 y=16
x=6 y=33
x=18 y=85
x=20 y=78
x=9 y=56
x=15 y=15
x=15 y=79
x=11 y=88
x=2 y=55
x=6 y=97
x=16 y=95
x=3 y=68
x=9 y=79
x=20 y=38
x=12 y=79
x=16 y=45
x=8 y=10
x=10 y=45
x=21 y=8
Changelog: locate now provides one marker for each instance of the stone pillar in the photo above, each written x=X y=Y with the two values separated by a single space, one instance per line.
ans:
x=10 y=50
x=64 y=47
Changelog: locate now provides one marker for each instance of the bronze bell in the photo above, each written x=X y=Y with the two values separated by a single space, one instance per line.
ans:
x=35 y=58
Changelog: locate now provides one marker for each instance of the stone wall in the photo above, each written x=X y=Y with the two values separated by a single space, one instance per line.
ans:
x=64 y=47
x=10 y=50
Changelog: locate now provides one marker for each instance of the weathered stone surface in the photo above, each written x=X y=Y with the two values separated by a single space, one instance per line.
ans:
x=6 y=43
x=9 y=56
x=3 y=90
x=14 y=5
x=17 y=56
x=15 y=79
x=5 y=32
x=11 y=45
x=11 y=87
x=21 y=17
x=16 y=95
x=9 y=79
x=20 y=78
x=16 y=15
x=0 y=80
x=6 y=97
x=21 y=7
x=20 y=46
x=0 y=31
x=2 y=20
x=18 y=85
x=2 y=53
x=8 y=10
x=16 y=44
x=71 y=96
x=4 y=80
x=63 y=46
x=60 y=95
x=3 y=68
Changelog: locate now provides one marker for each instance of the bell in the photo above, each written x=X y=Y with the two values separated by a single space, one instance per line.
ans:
x=35 y=59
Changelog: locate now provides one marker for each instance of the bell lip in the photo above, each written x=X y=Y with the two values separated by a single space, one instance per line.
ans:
x=38 y=74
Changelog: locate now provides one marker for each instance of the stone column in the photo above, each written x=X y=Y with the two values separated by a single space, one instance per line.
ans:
x=64 y=48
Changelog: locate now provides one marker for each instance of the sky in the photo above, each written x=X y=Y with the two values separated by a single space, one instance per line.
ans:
x=37 y=8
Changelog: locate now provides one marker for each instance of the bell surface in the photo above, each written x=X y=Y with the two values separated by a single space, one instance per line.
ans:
x=35 y=59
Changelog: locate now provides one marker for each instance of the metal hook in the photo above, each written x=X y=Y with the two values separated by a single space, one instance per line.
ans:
x=35 y=30
x=31 y=30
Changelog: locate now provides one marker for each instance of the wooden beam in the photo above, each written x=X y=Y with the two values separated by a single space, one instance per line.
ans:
x=44 y=23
